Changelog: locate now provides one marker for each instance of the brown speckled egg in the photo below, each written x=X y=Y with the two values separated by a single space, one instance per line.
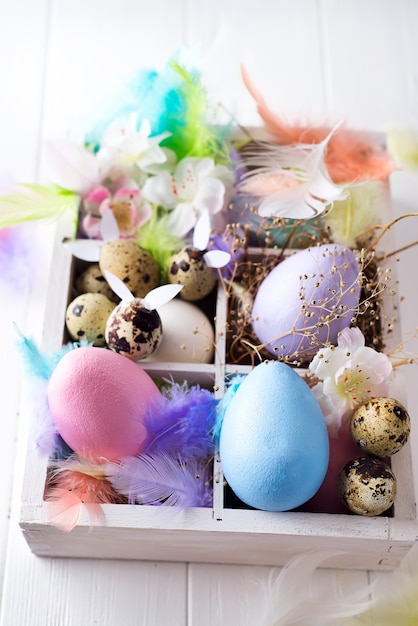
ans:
x=133 y=330
x=93 y=281
x=86 y=317
x=188 y=268
x=132 y=265
x=380 y=426
x=367 y=486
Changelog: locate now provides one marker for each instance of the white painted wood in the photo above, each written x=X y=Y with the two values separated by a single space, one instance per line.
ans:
x=211 y=586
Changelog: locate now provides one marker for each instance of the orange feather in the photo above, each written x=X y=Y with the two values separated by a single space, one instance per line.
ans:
x=73 y=489
x=351 y=156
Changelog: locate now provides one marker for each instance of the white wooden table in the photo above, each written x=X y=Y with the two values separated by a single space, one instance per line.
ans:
x=325 y=59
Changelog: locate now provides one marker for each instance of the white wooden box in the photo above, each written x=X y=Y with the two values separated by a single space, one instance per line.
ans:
x=218 y=534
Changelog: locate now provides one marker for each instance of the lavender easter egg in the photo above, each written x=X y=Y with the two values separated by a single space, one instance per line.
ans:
x=98 y=401
x=306 y=300
x=274 y=445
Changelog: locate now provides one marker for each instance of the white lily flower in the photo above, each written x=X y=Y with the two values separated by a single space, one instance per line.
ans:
x=197 y=185
x=123 y=147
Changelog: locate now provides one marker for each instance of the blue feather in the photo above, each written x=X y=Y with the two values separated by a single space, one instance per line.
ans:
x=224 y=403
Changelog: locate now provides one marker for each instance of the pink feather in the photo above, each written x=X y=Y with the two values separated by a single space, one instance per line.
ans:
x=71 y=489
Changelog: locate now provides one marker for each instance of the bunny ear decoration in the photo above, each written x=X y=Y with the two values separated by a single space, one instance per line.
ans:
x=89 y=249
x=201 y=235
x=201 y=231
x=217 y=258
x=109 y=228
x=85 y=249
x=119 y=287
x=161 y=295
x=154 y=298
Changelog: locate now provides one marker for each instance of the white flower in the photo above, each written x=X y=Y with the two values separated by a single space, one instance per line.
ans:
x=123 y=147
x=196 y=185
x=351 y=373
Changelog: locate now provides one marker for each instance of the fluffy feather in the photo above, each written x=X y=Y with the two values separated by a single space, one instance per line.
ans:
x=36 y=202
x=363 y=207
x=395 y=599
x=293 y=179
x=351 y=156
x=155 y=237
x=186 y=118
x=224 y=402
x=290 y=598
x=172 y=100
x=161 y=479
x=73 y=483
x=45 y=433
x=17 y=257
x=403 y=145
x=180 y=423
x=38 y=364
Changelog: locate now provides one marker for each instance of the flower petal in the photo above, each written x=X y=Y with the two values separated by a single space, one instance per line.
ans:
x=210 y=196
x=159 y=190
x=182 y=219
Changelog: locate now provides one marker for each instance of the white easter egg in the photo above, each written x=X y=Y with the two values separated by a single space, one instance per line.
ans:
x=188 y=335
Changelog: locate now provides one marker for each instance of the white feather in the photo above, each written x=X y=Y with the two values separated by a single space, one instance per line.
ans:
x=290 y=597
x=304 y=187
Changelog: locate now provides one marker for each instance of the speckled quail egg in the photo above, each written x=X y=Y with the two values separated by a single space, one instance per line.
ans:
x=367 y=486
x=93 y=281
x=86 y=317
x=380 y=426
x=131 y=264
x=188 y=268
x=134 y=330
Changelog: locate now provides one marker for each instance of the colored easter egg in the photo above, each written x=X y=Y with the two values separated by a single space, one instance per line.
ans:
x=98 y=401
x=306 y=300
x=274 y=444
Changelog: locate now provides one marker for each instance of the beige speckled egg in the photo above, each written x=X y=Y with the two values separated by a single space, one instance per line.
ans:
x=132 y=265
x=367 y=486
x=380 y=426
x=188 y=268
x=86 y=317
x=133 y=330
x=93 y=281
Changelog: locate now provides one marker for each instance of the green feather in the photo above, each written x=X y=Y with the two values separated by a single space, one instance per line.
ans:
x=37 y=202
x=155 y=238
x=187 y=120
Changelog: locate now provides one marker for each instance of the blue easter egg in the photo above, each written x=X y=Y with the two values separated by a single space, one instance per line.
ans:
x=274 y=445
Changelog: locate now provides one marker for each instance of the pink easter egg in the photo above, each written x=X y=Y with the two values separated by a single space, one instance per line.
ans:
x=98 y=401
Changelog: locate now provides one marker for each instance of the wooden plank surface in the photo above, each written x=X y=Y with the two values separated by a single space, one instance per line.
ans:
x=316 y=59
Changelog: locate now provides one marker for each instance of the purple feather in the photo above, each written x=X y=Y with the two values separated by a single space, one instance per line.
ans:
x=161 y=479
x=180 y=423
x=45 y=432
